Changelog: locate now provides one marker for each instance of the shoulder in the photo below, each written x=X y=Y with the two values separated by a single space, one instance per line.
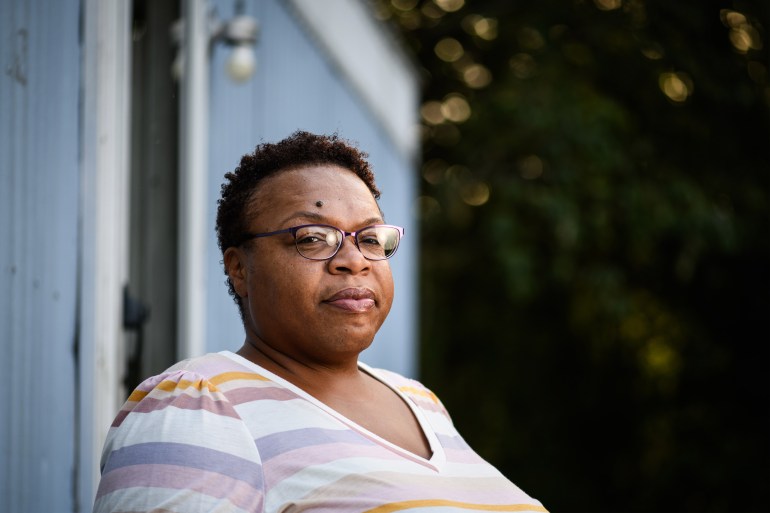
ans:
x=179 y=437
x=188 y=382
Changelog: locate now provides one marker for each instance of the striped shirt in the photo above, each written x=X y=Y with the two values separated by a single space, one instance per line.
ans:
x=221 y=434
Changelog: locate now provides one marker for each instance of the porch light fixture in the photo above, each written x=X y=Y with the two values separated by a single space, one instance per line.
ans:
x=239 y=32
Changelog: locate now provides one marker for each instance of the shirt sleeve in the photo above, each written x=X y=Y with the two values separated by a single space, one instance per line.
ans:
x=179 y=445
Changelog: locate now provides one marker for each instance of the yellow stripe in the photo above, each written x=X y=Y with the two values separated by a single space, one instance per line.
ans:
x=168 y=386
x=171 y=385
x=419 y=391
x=137 y=395
x=231 y=376
x=400 y=506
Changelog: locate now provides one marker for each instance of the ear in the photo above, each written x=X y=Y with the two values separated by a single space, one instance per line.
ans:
x=235 y=260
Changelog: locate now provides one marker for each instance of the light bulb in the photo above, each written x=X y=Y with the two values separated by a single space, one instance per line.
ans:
x=241 y=63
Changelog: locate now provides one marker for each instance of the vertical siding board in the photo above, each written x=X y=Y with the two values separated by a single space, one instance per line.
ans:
x=38 y=261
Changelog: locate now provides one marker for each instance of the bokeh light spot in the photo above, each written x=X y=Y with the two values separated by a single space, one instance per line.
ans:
x=653 y=51
x=455 y=108
x=608 y=5
x=431 y=113
x=430 y=10
x=743 y=35
x=486 y=28
x=475 y=194
x=531 y=167
x=449 y=49
x=433 y=171
x=404 y=5
x=745 y=38
x=477 y=76
x=731 y=18
x=677 y=86
x=450 y=5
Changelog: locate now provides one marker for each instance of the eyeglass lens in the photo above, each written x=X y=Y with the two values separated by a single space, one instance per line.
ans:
x=318 y=242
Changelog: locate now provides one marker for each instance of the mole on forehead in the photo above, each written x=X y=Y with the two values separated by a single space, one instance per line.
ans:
x=319 y=203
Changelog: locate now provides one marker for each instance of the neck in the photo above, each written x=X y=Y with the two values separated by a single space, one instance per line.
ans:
x=311 y=376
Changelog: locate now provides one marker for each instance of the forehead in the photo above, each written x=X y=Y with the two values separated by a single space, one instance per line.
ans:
x=300 y=189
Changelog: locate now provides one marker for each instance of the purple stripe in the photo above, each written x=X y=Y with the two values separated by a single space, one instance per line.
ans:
x=186 y=455
x=464 y=457
x=242 y=395
x=186 y=402
x=273 y=445
x=186 y=480
x=452 y=442
x=288 y=464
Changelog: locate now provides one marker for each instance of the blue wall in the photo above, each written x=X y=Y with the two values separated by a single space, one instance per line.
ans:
x=39 y=195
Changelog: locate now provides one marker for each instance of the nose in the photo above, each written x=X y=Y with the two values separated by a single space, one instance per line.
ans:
x=349 y=258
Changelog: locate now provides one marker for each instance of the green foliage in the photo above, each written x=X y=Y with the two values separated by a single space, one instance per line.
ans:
x=595 y=285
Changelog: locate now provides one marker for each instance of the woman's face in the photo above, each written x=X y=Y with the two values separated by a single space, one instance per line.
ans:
x=311 y=311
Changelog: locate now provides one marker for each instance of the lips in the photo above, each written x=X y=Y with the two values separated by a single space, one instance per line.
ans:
x=355 y=300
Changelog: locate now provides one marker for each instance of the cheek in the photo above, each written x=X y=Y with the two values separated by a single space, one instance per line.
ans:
x=387 y=286
x=281 y=288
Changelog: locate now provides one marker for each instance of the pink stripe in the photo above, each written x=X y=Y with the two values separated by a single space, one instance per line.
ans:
x=289 y=463
x=119 y=418
x=386 y=487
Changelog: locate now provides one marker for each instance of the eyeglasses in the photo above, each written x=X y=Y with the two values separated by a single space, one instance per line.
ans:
x=322 y=241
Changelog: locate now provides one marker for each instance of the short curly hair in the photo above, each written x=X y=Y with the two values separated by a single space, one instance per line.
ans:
x=299 y=150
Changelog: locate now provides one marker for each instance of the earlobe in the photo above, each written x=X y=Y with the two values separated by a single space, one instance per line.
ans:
x=235 y=266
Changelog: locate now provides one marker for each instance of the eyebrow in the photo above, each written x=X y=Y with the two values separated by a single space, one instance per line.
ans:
x=303 y=214
x=315 y=216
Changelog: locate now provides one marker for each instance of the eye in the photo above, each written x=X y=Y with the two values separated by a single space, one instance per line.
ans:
x=316 y=235
x=308 y=239
x=310 y=235
x=372 y=237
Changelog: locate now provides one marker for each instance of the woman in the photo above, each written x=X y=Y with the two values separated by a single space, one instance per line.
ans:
x=293 y=421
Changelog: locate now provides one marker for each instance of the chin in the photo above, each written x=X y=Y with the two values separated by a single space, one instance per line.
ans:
x=353 y=342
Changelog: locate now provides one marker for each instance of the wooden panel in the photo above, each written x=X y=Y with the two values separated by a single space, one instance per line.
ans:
x=39 y=189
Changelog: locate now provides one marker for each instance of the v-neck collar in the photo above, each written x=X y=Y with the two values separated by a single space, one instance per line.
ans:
x=438 y=457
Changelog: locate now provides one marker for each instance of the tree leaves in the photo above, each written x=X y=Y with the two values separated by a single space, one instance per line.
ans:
x=595 y=285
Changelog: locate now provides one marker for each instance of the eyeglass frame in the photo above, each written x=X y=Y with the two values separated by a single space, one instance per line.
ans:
x=293 y=230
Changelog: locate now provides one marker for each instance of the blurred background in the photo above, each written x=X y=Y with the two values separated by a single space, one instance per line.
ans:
x=585 y=280
x=595 y=295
